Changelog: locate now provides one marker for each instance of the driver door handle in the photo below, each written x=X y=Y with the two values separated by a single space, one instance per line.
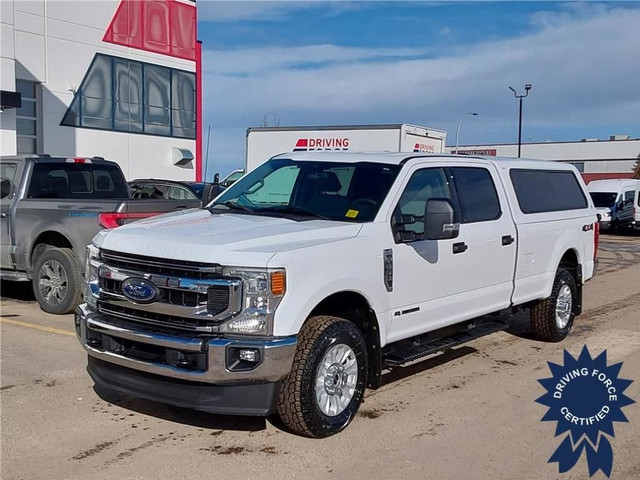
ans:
x=460 y=247
x=507 y=240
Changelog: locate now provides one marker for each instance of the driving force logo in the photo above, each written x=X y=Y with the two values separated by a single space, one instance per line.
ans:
x=424 y=148
x=585 y=396
x=313 y=144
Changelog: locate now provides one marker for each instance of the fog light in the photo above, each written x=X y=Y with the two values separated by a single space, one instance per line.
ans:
x=248 y=354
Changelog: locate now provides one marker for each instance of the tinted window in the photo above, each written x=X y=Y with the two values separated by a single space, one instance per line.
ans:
x=628 y=197
x=476 y=194
x=547 y=191
x=603 y=199
x=7 y=174
x=76 y=181
x=423 y=185
x=130 y=96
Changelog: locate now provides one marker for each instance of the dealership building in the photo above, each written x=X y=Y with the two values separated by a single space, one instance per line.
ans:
x=119 y=79
x=595 y=159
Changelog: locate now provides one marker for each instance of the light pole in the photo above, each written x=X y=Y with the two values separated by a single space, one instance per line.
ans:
x=527 y=87
x=458 y=129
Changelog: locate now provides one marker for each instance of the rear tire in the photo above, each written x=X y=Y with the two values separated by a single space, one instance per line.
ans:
x=552 y=318
x=56 y=280
x=323 y=391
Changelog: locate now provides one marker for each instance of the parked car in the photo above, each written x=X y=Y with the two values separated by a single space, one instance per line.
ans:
x=173 y=190
x=617 y=202
x=304 y=280
x=51 y=209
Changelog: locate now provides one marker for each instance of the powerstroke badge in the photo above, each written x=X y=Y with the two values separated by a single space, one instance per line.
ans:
x=585 y=397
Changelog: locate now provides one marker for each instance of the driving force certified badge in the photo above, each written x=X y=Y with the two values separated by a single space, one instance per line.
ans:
x=585 y=397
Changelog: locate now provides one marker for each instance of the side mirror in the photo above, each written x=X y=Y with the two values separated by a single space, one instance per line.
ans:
x=441 y=221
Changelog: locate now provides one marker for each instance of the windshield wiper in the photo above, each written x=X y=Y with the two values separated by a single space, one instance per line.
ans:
x=294 y=211
x=232 y=206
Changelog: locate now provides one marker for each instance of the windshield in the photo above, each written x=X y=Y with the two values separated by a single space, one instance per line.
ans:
x=350 y=192
x=603 y=199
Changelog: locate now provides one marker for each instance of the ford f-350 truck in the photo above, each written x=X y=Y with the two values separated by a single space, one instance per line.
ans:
x=303 y=281
x=51 y=209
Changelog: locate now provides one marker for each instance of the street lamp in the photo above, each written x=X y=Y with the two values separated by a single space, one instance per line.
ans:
x=527 y=87
x=458 y=129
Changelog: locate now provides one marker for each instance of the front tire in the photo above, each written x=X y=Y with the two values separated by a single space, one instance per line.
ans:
x=323 y=391
x=56 y=281
x=552 y=318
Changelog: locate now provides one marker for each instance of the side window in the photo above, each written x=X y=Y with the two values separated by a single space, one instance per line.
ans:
x=477 y=194
x=547 y=191
x=7 y=175
x=180 y=193
x=628 y=197
x=423 y=185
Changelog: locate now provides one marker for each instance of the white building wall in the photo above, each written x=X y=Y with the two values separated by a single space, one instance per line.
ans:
x=55 y=43
x=7 y=78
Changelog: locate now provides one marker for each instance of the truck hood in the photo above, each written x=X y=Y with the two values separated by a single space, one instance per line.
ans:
x=224 y=238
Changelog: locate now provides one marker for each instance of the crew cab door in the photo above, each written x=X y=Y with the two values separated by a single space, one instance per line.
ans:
x=9 y=175
x=429 y=276
x=490 y=235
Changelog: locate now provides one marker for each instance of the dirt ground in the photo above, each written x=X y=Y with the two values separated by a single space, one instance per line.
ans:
x=467 y=414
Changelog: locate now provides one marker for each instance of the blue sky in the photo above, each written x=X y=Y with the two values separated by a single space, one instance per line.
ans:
x=426 y=63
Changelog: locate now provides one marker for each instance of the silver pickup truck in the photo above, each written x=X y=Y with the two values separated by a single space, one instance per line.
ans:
x=51 y=209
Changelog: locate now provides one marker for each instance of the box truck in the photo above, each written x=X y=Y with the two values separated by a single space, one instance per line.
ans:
x=265 y=142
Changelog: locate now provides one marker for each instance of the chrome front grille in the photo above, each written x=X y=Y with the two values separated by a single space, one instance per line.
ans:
x=192 y=296
x=161 y=266
x=175 y=297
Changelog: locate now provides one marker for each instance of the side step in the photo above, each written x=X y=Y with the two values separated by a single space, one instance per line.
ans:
x=400 y=357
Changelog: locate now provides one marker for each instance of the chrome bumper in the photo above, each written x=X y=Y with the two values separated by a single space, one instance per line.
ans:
x=276 y=355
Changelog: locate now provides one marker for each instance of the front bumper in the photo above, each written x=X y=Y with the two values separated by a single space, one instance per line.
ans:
x=191 y=371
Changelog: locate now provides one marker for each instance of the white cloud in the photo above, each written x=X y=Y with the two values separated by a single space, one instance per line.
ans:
x=583 y=67
x=254 y=61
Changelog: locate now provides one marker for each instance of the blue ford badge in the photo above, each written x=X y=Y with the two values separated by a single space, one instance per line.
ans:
x=139 y=290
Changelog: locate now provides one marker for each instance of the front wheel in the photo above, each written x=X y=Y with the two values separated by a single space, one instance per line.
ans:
x=552 y=318
x=57 y=280
x=323 y=391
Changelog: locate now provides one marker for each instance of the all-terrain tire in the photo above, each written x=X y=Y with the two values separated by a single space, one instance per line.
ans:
x=298 y=406
x=57 y=281
x=546 y=323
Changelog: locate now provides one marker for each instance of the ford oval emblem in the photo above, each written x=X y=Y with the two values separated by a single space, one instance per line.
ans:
x=139 y=290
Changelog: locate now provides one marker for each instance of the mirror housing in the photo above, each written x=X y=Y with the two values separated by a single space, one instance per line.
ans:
x=441 y=221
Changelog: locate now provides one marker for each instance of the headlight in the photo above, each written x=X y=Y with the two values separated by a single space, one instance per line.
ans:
x=606 y=214
x=262 y=292
x=92 y=287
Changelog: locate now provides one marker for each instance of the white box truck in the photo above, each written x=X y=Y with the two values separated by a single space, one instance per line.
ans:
x=265 y=142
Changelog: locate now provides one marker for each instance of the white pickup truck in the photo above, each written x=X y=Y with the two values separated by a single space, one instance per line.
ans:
x=299 y=285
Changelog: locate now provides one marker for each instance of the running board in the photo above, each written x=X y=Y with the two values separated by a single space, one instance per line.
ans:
x=397 y=358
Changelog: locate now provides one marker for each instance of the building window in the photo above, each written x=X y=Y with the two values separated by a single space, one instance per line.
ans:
x=135 y=97
x=579 y=166
x=27 y=117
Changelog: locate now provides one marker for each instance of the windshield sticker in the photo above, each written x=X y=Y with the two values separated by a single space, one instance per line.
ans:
x=352 y=213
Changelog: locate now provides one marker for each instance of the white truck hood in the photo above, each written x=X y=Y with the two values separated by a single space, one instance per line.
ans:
x=224 y=238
